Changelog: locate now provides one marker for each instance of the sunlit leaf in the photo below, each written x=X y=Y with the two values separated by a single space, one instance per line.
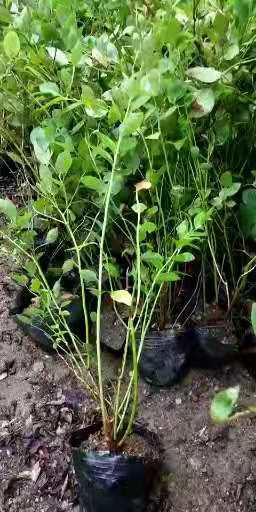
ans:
x=143 y=185
x=35 y=285
x=206 y=75
x=11 y=44
x=41 y=145
x=203 y=103
x=184 y=257
x=153 y=136
x=97 y=109
x=122 y=296
x=182 y=229
x=67 y=266
x=49 y=88
x=52 y=236
x=63 y=162
x=57 y=55
x=231 y=52
x=139 y=207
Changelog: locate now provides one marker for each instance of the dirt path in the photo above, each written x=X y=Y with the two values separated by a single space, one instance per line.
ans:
x=207 y=468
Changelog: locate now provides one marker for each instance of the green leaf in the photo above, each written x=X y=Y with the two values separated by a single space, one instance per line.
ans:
x=23 y=221
x=185 y=257
x=52 y=236
x=89 y=276
x=206 y=75
x=226 y=179
x=63 y=163
x=139 y=208
x=30 y=267
x=253 y=317
x=168 y=277
x=67 y=266
x=122 y=296
x=153 y=136
x=35 y=285
x=96 y=108
x=231 y=52
x=203 y=103
x=56 y=289
x=8 y=208
x=107 y=142
x=93 y=183
x=249 y=197
x=230 y=191
x=20 y=278
x=11 y=44
x=46 y=178
x=114 y=115
x=131 y=124
x=49 y=88
x=153 y=258
x=223 y=404
x=112 y=269
x=146 y=227
x=76 y=54
x=221 y=23
x=201 y=218
x=41 y=145
x=93 y=316
x=152 y=211
x=150 y=83
x=182 y=229
x=57 y=55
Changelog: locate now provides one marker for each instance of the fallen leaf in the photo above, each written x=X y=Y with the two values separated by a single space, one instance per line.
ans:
x=35 y=472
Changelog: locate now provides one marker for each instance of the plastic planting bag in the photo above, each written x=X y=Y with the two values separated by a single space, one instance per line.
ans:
x=110 y=482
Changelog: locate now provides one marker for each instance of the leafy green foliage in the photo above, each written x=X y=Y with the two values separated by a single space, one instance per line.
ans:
x=223 y=404
x=152 y=115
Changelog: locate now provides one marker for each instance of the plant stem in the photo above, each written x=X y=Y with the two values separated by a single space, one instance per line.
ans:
x=135 y=386
x=100 y=274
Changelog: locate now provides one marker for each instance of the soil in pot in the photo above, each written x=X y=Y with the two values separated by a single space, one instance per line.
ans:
x=119 y=480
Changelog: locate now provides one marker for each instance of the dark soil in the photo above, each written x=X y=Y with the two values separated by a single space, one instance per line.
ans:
x=206 y=468
x=138 y=444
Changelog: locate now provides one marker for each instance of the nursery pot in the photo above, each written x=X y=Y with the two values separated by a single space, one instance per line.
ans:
x=111 y=482
x=209 y=350
x=37 y=331
x=165 y=357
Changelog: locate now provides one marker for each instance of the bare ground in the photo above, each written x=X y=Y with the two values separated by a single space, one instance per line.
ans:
x=206 y=468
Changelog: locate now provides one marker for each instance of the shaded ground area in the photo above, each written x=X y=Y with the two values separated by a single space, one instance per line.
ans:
x=207 y=468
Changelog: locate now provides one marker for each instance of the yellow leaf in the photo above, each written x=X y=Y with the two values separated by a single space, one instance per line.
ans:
x=143 y=185
x=122 y=296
